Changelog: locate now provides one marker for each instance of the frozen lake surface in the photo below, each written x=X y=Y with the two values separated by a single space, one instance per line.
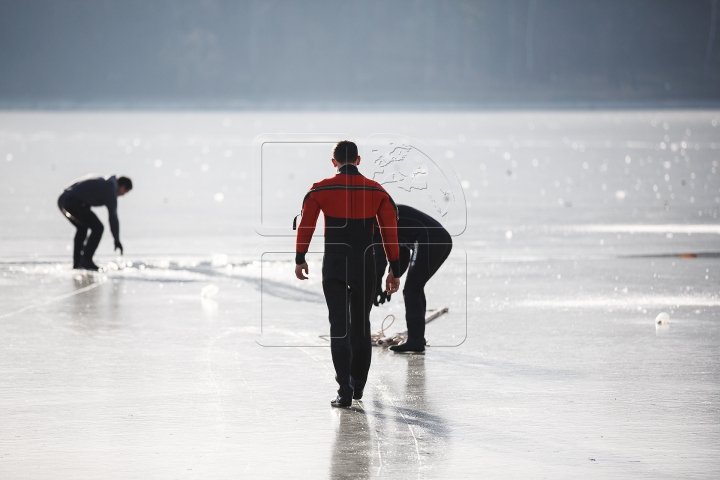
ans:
x=581 y=228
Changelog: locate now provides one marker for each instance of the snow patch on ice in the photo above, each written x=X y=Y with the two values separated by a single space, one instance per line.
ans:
x=630 y=302
x=209 y=291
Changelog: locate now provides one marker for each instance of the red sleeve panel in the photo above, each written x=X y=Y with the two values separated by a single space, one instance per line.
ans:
x=387 y=219
x=310 y=213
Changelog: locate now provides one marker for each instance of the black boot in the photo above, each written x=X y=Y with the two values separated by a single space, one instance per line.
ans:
x=89 y=265
x=344 y=398
x=410 y=346
x=358 y=392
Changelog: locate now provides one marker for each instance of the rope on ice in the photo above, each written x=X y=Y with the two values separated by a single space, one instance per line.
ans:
x=380 y=339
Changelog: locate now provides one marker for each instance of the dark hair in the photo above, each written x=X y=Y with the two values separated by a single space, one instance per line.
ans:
x=125 y=182
x=345 y=152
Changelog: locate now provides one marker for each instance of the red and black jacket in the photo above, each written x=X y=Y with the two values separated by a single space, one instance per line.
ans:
x=351 y=203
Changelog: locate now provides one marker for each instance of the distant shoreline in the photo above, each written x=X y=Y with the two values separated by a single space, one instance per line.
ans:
x=356 y=106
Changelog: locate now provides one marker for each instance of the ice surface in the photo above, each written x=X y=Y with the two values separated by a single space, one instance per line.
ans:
x=563 y=374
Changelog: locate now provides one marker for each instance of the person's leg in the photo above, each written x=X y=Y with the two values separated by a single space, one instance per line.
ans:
x=337 y=299
x=96 y=231
x=78 y=244
x=67 y=207
x=414 y=294
x=439 y=252
x=414 y=297
x=415 y=305
x=428 y=259
x=361 y=301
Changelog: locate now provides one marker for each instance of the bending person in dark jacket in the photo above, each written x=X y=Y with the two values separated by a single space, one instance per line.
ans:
x=424 y=246
x=75 y=202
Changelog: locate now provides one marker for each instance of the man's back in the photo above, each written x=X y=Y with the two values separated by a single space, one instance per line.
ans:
x=351 y=203
x=416 y=226
x=95 y=191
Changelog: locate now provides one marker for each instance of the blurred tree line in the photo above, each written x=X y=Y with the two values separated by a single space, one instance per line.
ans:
x=257 y=53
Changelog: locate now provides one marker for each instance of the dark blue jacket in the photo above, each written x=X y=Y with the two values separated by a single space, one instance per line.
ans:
x=98 y=192
x=413 y=227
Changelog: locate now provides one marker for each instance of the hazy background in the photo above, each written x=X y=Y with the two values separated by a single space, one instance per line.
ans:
x=326 y=54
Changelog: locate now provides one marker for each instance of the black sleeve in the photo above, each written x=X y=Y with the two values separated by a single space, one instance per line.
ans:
x=380 y=260
x=299 y=258
x=113 y=218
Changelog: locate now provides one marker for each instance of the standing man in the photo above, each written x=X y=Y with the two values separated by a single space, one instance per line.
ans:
x=351 y=204
x=75 y=202
x=424 y=246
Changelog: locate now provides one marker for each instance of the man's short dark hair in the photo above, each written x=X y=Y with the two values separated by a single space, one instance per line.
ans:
x=345 y=152
x=125 y=182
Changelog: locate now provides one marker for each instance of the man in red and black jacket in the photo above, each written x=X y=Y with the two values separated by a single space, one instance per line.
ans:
x=351 y=204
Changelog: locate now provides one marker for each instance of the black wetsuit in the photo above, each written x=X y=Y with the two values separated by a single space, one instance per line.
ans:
x=424 y=246
x=75 y=202
x=351 y=205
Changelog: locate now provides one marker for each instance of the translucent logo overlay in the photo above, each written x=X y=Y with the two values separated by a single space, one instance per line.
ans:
x=286 y=166
x=413 y=176
x=293 y=312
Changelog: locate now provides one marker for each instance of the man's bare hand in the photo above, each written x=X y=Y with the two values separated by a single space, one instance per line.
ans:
x=299 y=269
x=392 y=284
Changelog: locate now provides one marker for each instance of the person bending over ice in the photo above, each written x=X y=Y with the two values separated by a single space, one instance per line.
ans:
x=424 y=246
x=75 y=202
x=351 y=204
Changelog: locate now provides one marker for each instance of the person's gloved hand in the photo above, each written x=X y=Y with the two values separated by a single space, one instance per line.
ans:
x=380 y=298
x=118 y=245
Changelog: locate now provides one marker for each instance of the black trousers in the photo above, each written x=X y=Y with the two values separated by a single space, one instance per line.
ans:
x=421 y=262
x=349 y=287
x=80 y=215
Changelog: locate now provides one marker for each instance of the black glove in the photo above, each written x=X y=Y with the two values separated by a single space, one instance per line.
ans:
x=118 y=245
x=380 y=298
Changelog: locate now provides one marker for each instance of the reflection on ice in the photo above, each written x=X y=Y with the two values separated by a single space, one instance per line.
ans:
x=209 y=306
x=353 y=449
x=393 y=432
x=82 y=283
x=662 y=329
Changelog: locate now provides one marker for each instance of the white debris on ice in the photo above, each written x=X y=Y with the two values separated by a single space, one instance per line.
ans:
x=209 y=291
x=662 y=319
x=219 y=260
